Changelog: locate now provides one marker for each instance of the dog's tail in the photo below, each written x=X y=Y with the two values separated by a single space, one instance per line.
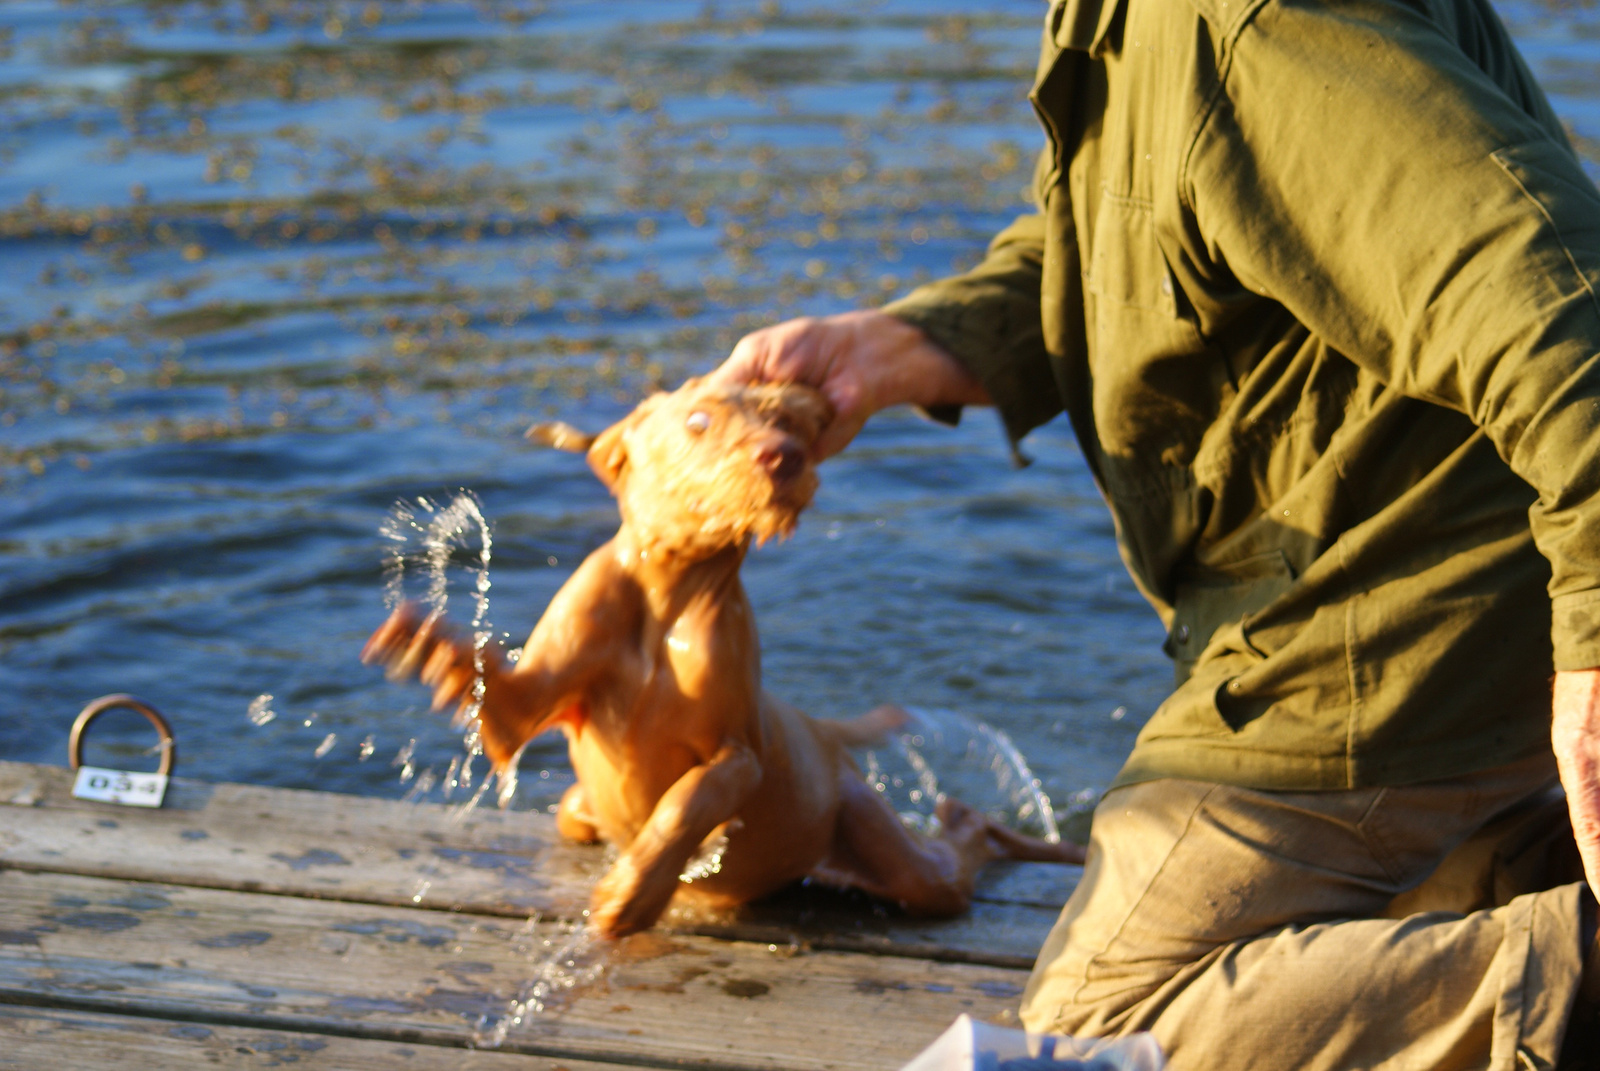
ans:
x=560 y=435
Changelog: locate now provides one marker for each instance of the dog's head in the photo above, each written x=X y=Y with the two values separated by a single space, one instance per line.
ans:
x=706 y=467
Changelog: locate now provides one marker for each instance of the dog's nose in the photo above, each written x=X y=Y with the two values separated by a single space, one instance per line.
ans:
x=783 y=459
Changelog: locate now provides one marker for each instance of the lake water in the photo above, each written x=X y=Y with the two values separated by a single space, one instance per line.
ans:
x=268 y=267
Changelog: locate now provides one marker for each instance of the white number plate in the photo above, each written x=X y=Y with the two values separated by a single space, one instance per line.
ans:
x=116 y=786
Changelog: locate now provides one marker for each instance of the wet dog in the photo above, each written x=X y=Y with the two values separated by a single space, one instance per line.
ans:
x=648 y=660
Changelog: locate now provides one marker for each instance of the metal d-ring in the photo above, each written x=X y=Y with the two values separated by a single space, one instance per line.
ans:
x=169 y=746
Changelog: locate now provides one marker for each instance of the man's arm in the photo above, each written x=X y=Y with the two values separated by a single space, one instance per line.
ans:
x=1575 y=736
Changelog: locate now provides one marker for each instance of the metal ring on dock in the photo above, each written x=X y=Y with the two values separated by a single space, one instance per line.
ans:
x=169 y=746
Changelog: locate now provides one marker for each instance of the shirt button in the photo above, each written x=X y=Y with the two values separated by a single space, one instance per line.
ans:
x=1183 y=633
x=1166 y=285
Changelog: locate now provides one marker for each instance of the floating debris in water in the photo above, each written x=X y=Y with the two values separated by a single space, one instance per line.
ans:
x=260 y=711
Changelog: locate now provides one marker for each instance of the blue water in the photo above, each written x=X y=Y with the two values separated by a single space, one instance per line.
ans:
x=269 y=267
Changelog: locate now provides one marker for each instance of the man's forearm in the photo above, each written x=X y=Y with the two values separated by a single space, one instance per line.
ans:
x=1575 y=737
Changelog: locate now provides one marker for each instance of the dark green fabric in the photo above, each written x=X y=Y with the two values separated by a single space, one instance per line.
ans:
x=1315 y=283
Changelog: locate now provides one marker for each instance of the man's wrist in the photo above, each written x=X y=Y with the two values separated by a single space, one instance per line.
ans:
x=921 y=372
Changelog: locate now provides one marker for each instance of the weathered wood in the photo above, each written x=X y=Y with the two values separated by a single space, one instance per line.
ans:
x=362 y=850
x=408 y=975
x=55 y=1039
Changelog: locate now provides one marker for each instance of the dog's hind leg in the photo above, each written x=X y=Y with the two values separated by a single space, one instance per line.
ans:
x=874 y=852
x=572 y=816
x=1022 y=847
x=933 y=876
x=865 y=730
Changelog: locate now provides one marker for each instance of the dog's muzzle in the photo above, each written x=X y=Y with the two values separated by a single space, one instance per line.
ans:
x=783 y=460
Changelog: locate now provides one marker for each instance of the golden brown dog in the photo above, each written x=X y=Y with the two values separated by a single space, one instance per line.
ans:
x=648 y=660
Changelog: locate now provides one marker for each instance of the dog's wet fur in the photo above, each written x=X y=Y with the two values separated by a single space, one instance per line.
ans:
x=648 y=660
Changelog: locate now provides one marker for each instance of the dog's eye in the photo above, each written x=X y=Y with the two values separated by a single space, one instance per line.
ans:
x=697 y=422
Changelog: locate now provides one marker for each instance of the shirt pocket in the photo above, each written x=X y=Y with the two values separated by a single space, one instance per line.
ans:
x=1211 y=617
x=1155 y=392
x=1127 y=269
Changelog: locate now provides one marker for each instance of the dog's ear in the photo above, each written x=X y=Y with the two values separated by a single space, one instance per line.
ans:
x=560 y=435
x=608 y=453
x=805 y=410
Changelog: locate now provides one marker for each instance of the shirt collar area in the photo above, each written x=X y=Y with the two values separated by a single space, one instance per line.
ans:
x=1083 y=24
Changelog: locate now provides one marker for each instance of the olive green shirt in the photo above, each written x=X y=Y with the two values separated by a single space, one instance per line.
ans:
x=1315 y=283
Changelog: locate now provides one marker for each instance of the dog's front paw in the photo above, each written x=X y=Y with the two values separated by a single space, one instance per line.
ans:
x=629 y=899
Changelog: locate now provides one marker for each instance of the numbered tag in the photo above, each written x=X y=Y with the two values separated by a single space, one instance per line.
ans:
x=118 y=786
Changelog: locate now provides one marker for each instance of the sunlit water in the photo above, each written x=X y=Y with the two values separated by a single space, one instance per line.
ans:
x=272 y=266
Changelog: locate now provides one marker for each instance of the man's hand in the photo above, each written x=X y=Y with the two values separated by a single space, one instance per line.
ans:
x=1575 y=736
x=861 y=361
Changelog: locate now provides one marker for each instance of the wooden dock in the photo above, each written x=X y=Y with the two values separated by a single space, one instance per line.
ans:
x=245 y=927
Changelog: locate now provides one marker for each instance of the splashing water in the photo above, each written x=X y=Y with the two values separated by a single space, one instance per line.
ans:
x=425 y=537
x=707 y=859
x=940 y=752
x=423 y=786
x=403 y=759
x=566 y=957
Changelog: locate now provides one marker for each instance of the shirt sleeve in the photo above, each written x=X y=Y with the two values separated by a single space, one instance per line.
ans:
x=1403 y=189
x=989 y=320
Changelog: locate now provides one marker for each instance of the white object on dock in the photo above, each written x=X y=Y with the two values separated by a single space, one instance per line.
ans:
x=970 y=1045
x=120 y=786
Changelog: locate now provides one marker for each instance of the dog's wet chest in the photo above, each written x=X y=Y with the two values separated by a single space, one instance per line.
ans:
x=693 y=675
x=687 y=687
x=707 y=653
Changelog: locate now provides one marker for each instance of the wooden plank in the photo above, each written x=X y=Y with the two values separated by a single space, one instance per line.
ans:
x=55 y=1039
x=512 y=864
x=409 y=975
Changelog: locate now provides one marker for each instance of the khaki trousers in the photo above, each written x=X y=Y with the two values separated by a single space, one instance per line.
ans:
x=1371 y=928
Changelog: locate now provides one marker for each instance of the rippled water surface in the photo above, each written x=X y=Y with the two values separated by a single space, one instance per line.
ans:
x=268 y=267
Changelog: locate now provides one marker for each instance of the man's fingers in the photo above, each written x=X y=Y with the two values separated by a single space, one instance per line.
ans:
x=743 y=364
x=1575 y=738
x=783 y=353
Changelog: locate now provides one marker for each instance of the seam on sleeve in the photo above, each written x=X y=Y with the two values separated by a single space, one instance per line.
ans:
x=1229 y=42
x=1502 y=160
